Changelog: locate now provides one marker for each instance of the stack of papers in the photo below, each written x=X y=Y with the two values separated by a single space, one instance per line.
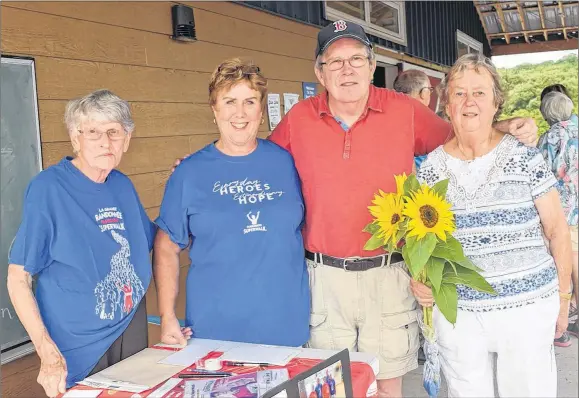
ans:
x=233 y=351
x=137 y=373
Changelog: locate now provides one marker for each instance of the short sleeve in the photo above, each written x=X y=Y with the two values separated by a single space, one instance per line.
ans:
x=541 y=177
x=173 y=217
x=32 y=244
x=430 y=131
x=281 y=134
x=428 y=173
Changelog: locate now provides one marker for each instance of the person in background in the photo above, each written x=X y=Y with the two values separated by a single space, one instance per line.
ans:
x=559 y=147
x=415 y=84
x=86 y=239
x=507 y=210
x=560 y=89
x=238 y=204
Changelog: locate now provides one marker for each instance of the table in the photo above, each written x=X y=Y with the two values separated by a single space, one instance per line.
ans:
x=364 y=368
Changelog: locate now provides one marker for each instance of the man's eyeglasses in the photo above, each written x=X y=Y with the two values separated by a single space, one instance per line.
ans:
x=93 y=135
x=431 y=89
x=355 y=61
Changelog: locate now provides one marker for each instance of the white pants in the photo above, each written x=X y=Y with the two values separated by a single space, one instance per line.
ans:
x=522 y=340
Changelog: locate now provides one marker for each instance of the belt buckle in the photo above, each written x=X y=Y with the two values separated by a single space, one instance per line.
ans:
x=352 y=259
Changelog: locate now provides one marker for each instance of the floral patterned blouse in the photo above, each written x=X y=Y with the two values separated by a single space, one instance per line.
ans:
x=559 y=147
x=497 y=222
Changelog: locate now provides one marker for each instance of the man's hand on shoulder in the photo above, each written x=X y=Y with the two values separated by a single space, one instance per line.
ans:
x=523 y=129
x=178 y=162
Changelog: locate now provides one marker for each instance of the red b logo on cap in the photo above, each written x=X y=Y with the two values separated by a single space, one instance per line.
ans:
x=340 y=26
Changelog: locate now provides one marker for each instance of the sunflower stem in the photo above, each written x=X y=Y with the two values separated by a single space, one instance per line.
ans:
x=426 y=311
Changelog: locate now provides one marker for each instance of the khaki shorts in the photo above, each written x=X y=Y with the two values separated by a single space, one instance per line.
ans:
x=574 y=237
x=370 y=311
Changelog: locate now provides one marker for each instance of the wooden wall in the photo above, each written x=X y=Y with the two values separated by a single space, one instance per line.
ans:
x=126 y=47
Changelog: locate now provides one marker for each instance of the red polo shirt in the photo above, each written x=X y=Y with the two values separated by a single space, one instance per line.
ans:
x=342 y=170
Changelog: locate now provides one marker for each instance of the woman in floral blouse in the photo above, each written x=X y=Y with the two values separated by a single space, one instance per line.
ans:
x=504 y=198
x=559 y=147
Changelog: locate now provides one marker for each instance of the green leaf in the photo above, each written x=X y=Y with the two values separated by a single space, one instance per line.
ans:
x=449 y=250
x=440 y=188
x=411 y=184
x=449 y=268
x=419 y=251
x=469 y=278
x=434 y=268
x=446 y=300
x=371 y=228
x=468 y=264
x=374 y=243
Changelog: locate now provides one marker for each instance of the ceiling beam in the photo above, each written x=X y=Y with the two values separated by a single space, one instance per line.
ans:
x=542 y=18
x=538 y=46
x=522 y=32
x=523 y=23
x=482 y=20
x=501 y=16
x=530 y=8
x=562 y=14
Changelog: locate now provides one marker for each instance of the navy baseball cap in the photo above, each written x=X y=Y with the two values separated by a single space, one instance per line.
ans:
x=339 y=30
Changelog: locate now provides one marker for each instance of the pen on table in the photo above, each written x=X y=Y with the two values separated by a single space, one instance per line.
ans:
x=203 y=375
x=205 y=371
x=235 y=363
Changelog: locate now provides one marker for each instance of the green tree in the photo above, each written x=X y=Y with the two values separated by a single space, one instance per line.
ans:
x=523 y=85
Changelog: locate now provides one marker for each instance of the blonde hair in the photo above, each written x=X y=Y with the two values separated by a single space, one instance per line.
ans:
x=234 y=71
x=477 y=62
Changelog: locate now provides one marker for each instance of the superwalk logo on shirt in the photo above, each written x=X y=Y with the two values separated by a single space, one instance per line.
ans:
x=121 y=288
x=254 y=224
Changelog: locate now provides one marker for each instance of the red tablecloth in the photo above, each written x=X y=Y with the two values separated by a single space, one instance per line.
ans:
x=363 y=379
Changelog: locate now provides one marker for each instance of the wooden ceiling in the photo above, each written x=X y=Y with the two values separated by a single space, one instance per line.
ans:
x=529 y=26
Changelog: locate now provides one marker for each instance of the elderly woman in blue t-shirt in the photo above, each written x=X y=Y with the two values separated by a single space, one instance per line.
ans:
x=237 y=203
x=503 y=196
x=86 y=239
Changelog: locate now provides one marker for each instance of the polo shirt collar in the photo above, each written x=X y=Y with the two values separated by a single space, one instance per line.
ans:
x=374 y=102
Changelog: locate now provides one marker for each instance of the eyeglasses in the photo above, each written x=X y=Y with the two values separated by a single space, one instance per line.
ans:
x=431 y=89
x=355 y=61
x=93 y=135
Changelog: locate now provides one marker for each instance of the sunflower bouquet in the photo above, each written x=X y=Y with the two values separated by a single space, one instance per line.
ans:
x=417 y=222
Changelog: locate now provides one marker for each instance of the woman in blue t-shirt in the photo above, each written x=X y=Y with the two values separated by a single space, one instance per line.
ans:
x=85 y=238
x=237 y=204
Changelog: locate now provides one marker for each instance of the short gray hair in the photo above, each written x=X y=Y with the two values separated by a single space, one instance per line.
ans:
x=556 y=107
x=101 y=104
x=411 y=81
x=478 y=62
x=369 y=52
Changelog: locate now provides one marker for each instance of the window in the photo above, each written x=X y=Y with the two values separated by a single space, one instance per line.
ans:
x=466 y=44
x=385 y=19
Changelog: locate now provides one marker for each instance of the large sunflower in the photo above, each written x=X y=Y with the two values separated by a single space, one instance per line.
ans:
x=428 y=212
x=387 y=210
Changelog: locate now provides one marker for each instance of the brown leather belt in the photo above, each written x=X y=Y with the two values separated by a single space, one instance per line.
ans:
x=354 y=263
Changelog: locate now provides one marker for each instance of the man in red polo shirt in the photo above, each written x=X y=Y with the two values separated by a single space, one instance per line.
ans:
x=347 y=143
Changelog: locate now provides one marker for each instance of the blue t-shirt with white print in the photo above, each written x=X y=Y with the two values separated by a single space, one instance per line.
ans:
x=88 y=245
x=247 y=280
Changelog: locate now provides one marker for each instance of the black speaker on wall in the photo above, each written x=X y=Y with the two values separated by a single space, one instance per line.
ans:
x=183 y=23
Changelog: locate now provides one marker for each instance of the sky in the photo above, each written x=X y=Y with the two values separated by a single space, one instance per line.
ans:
x=510 y=61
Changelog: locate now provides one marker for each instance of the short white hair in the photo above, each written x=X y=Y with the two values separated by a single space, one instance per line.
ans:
x=556 y=107
x=100 y=105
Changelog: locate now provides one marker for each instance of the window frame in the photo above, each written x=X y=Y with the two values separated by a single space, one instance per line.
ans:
x=370 y=28
x=469 y=42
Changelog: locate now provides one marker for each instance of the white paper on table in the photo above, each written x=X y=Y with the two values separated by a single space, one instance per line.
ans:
x=82 y=394
x=165 y=388
x=137 y=373
x=273 y=110
x=195 y=350
x=255 y=353
x=289 y=100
